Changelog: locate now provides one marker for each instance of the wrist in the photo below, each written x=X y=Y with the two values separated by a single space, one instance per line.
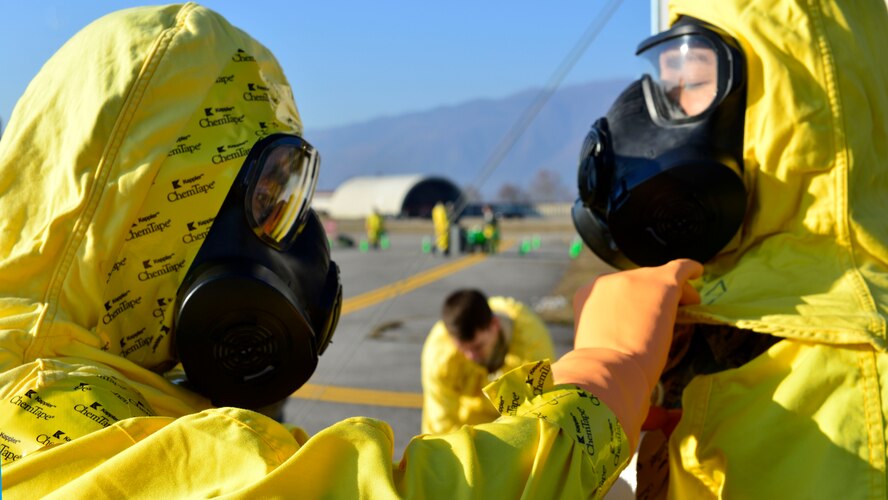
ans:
x=613 y=377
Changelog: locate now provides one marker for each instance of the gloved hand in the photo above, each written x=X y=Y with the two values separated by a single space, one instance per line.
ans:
x=624 y=324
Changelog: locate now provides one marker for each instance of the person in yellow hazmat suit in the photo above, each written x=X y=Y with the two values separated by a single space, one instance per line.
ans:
x=375 y=226
x=754 y=146
x=441 y=222
x=156 y=214
x=490 y=229
x=476 y=340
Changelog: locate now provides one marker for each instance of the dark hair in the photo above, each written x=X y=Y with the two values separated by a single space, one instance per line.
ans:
x=465 y=312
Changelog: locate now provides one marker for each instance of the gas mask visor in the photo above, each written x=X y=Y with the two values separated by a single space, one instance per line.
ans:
x=660 y=176
x=692 y=70
x=282 y=172
x=261 y=299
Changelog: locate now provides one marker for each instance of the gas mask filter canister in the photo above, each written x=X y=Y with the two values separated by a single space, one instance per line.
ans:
x=261 y=299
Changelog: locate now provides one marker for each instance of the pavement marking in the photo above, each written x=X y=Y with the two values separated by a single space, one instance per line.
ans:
x=403 y=286
x=351 y=395
x=355 y=396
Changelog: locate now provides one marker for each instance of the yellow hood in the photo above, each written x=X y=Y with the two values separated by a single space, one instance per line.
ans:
x=811 y=261
x=114 y=164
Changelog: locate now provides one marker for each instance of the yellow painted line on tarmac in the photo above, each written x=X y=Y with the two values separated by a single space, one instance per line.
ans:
x=351 y=395
x=406 y=285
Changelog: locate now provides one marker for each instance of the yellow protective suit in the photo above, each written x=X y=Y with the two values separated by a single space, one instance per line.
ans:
x=441 y=221
x=113 y=165
x=452 y=384
x=806 y=419
x=375 y=226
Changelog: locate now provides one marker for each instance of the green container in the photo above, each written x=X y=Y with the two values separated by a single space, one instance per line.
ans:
x=576 y=247
x=525 y=247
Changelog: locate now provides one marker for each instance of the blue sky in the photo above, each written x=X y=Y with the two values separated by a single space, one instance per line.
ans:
x=351 y=61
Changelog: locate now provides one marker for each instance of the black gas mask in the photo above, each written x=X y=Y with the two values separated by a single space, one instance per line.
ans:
x=660 y=175
x=261 y=299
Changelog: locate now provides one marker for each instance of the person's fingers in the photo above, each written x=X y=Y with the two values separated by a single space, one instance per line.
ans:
x=687 y=269
x=638 y=300
x=689 y=295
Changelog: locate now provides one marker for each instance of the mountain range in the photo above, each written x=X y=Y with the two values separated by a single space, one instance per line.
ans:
x=475 y=144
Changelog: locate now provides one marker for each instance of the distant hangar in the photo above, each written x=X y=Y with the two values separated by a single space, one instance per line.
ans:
x=392 y=195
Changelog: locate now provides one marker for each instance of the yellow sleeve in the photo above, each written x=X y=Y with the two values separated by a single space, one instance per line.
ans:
x=531 y=332
x=440 y=402
x=50 y=402
x=552 y=442
x=440 y=406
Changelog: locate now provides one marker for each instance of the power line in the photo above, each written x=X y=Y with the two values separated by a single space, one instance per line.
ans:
x=530 y=113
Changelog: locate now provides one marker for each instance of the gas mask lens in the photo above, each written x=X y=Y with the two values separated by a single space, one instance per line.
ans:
x=685 y=75
x=284 y=174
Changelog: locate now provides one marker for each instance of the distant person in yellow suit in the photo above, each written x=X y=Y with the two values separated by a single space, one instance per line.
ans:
x=490 y=229
x=476 y=340
x=141 y=228
x=375 y=226
x=441 y=221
